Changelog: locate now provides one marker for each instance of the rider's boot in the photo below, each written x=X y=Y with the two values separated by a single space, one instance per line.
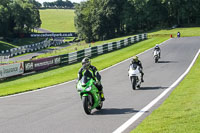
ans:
x=102 y=96
x=142 y=80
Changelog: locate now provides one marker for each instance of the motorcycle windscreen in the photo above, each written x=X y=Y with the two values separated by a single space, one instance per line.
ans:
x=133 y=66
x=85 y=80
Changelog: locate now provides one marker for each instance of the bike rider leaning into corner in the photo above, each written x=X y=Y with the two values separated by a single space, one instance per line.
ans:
x=136 y=61
x=158 y=49
x=91 y=71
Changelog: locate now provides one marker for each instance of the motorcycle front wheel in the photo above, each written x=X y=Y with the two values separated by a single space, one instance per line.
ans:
x=156 y=60
x=86 y=105
x=133 y=82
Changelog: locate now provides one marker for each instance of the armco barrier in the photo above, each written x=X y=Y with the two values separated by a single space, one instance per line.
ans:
x=64 y=59
x=26 y=49
x=101 y=49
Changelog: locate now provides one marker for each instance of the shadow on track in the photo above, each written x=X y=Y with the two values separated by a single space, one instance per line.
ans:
x=167 y=62
x=152 y=88
x=115 y=111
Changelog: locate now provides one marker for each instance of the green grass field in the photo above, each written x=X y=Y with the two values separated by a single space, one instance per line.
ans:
x=58 y=20
x=180 y=113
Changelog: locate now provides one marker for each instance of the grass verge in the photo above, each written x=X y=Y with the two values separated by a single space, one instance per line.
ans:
x=180 y=113
x=67 y=73
x=6 y=46
x=19 y=42
x=185 y=32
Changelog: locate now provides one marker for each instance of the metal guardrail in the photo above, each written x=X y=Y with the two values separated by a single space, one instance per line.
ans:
x=101 y=49
x=26 y=49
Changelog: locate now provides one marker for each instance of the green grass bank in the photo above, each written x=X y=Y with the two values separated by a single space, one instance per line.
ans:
x=180 y=112
x=17 y=42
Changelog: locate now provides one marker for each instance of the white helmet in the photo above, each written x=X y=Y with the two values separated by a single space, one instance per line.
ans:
x=157 y=46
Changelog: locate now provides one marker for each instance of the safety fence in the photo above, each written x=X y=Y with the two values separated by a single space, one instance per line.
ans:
x=10 y=70
x=26 y=49
x=4 y=60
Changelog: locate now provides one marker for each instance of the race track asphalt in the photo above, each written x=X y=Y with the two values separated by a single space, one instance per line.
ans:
x=59 y=109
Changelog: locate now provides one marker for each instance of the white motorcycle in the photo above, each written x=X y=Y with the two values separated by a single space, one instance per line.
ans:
x=135 y=76
x=156 y=56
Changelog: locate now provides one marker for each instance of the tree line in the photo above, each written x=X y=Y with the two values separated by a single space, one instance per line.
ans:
x=59 y=4
x=18 y=16
x=105 y=19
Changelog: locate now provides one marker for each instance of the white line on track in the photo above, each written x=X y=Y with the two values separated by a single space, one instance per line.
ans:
x=74 y=80
x=146 y=108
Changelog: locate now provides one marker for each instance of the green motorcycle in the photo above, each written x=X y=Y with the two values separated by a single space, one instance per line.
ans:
x=89 y=94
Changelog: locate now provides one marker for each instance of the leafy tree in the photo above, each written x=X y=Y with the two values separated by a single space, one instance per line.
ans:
x=104 y=19
x=35 y=3
x=18 y=16
x=4 y=17
x=82 y=21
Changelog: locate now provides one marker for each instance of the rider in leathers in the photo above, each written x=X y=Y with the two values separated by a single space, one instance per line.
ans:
x=91 y=71
x=158 y=49
x=135 y=60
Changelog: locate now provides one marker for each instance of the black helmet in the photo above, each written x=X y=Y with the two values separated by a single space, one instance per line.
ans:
x=86 y=62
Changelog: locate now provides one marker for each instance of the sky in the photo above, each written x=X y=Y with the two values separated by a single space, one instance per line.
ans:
x=41 y=1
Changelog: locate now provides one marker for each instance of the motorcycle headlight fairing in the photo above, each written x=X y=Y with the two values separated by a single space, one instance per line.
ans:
x=79 y=88
x=89 y=88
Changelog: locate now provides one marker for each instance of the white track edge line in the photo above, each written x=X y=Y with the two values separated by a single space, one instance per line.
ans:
x=147 y=107
x=74 y=80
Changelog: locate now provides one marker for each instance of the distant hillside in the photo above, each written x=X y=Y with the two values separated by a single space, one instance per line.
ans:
x=58 y=20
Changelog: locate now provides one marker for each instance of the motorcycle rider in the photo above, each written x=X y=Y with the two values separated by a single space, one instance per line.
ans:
x=178 y=34
x=91 y=71
x=136 y=61
x=158 y=49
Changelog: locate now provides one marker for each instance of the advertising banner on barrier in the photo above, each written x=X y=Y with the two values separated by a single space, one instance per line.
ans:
x=11 y=70
x=65 y=34
x=41 y=64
